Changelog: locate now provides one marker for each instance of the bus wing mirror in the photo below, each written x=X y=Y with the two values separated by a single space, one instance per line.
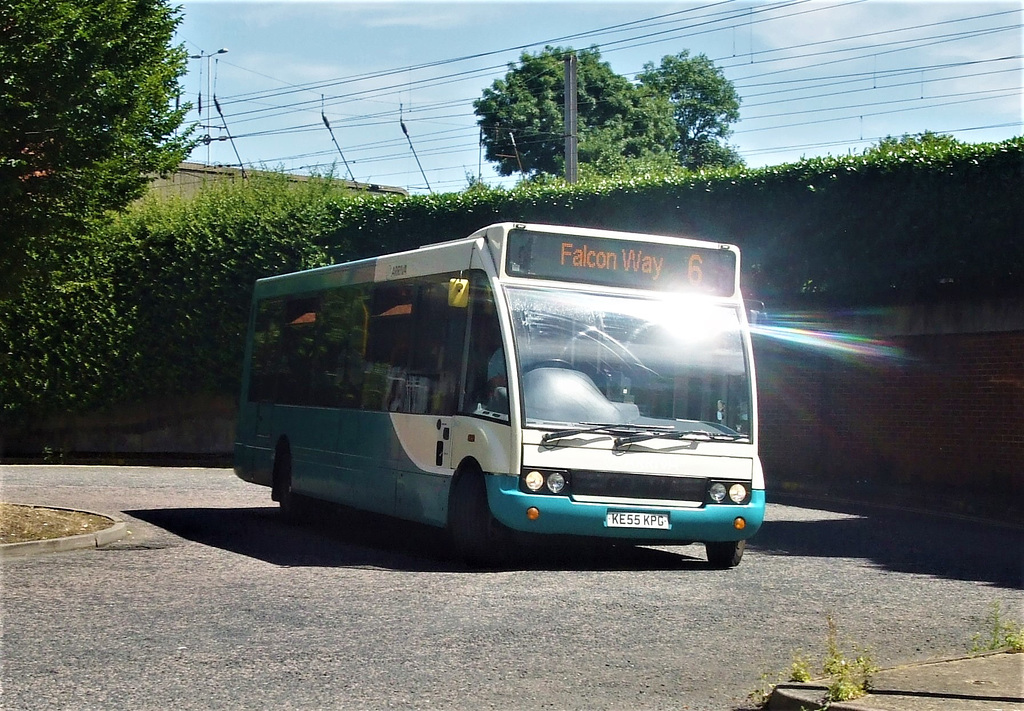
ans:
x=458 y=293
x=755 y=311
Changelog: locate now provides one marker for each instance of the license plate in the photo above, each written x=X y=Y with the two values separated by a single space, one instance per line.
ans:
x=636 y=519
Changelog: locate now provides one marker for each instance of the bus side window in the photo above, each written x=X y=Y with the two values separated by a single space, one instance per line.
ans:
x=437 y=357
x=486 y=385
x=345 y=316
x=266 y=365
x=300 y=349
x=388 y=347
x=415 y=340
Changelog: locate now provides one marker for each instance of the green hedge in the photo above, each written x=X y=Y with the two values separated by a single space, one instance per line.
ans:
x=852 y=230
x=154 y=303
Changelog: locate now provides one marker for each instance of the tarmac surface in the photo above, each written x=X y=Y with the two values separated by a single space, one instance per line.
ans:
x=984 y=682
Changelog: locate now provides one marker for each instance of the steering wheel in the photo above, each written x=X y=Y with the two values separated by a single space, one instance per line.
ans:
x=621 y=352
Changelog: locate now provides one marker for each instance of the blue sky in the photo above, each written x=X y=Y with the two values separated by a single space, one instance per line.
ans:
x=816 y=77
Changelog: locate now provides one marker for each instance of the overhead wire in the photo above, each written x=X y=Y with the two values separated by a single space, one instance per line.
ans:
x=992 y=94
x=872 y=47
x=822 y=144
x=857 y=76
x=871 y=140
x=467 y=74
x=451 y=76
x=808 y=83
x=426 y=65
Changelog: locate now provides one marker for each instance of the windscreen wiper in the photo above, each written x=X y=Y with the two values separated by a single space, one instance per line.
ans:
x=693 y=435
x=619 y=430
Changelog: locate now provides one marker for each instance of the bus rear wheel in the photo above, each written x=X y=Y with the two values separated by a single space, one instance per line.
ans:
x=725 y=554
x=478 y=538
x=281 y=490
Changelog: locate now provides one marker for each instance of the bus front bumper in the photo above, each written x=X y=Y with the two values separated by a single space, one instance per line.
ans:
x=561 y=515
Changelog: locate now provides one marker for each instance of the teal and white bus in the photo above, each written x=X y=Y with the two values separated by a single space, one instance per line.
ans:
x=527 y=381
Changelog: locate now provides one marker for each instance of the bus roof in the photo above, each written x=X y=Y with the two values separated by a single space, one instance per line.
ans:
x=554 y=253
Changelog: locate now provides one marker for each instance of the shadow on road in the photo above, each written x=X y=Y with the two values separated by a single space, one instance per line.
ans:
x=902 y=541
x=332 y=536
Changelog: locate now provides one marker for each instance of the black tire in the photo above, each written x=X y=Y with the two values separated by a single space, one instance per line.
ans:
x=726 y=554
x=478 y=538
x=282 y=491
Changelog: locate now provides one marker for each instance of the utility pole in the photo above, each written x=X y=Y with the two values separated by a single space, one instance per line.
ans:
x=572 y=139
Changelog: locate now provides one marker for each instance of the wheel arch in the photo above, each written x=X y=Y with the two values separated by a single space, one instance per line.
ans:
x=469 y=466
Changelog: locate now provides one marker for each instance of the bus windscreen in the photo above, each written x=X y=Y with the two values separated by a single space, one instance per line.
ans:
x=623 y=263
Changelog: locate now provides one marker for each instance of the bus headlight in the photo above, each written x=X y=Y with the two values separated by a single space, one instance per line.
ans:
x=717 y=492
x=556 y=482
x=728 y=492
x=544 y=481
x=534 y=480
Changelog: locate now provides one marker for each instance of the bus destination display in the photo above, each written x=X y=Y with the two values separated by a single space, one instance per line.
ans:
x=619 y=262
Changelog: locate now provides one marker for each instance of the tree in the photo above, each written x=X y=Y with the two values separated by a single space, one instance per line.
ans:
x=678 y=114
x=87 y=110
x=704 y=104
x=522 y=116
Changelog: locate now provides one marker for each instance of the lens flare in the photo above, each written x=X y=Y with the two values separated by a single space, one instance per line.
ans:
x=817 y=331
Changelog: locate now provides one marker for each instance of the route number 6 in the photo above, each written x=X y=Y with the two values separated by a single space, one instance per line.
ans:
x=694 y=272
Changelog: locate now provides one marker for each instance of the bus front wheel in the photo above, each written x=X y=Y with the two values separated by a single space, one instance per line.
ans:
x=725 y=554
x=479 y=539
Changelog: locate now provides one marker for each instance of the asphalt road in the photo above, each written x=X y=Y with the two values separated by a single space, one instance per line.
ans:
x=212 y=602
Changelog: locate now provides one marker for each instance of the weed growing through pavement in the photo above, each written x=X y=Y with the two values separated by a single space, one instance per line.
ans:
x=1001 y=633
x=847 y=678
x=760 y=696
x=800 y=669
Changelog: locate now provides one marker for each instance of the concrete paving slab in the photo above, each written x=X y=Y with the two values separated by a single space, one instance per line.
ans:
x=986 y=682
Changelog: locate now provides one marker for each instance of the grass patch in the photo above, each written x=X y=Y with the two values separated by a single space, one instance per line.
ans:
x=20 y=523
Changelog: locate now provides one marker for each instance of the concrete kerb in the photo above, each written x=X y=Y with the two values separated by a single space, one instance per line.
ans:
x=985 y=681
x=117 y=530
x=808 y=697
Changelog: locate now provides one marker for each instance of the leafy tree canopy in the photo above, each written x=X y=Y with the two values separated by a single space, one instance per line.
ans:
x=87 y=110
x=704 y=104
x=907 y=143
x=677 y=115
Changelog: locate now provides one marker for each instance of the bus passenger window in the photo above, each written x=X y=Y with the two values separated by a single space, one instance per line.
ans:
x=436 y=364
x=345 y=316
x=486 y=378
x=266 y=365
x=388 y=347
x=299 y=351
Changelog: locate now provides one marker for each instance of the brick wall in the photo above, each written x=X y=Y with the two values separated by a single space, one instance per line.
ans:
x=937 y=409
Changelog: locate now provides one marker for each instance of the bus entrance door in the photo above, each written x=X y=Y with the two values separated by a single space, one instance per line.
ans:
x=443 y=447
x=421 y=488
